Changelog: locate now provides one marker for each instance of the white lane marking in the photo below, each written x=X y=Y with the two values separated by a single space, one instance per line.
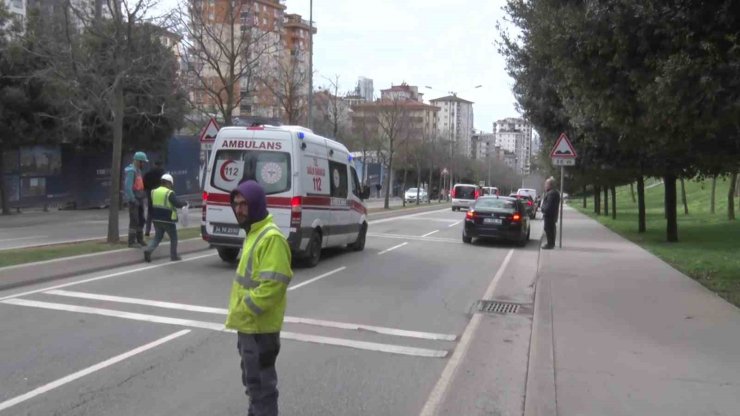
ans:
x=107 y=276
x=288 y=319
x=135 y=301
x=448 y=374
x=362 y=345
x=87 y=371
x=431 y=219
x=415 y=237
x=369 y=346
x=455 y=223
x=317 y=278
x=371 y=328
x=392 y=248
x=428 y=234
x=23 y=238
x=406 y=216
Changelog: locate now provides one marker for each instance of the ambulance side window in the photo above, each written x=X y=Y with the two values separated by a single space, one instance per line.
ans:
x=338 y=179
x=356 y=188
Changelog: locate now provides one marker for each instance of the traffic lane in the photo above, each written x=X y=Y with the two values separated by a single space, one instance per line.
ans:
x=423 y=286
x=414 y=224
x=39 y=346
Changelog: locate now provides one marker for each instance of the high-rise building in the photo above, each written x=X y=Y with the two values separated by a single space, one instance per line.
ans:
x=365 y=88
x=456 y=123
x=516 y=135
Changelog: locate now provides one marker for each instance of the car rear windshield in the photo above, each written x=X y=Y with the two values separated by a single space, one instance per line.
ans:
x=465 y=192
x=412 y=190
x=497 y=204
x=269 y=169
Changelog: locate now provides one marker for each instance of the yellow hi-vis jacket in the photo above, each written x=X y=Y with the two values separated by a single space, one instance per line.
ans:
x=258 y=293
x=163 y=209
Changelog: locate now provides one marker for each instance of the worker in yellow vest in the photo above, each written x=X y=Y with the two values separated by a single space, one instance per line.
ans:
x=164 y=216
x=258 y=297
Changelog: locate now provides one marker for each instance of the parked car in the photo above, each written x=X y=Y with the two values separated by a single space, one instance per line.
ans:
x=411 y=193
x=500 y=218
x=529 y=203
x=463 y=195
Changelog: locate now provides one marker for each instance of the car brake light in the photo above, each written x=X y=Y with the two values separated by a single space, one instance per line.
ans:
x=529 y=203
x=296 y=210
x=203 y=207
x=516 y=218
x=452 y=193
x=470 y=214
x=477 y=194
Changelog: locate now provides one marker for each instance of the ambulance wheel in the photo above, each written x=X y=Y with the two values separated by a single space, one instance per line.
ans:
x=359 y=245
x=313 y=252
x=228 y=254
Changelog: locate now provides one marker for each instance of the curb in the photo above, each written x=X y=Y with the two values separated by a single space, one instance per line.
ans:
x=540 y=394
x=44 y=271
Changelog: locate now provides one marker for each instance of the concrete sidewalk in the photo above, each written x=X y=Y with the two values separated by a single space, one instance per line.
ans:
x=619 y=332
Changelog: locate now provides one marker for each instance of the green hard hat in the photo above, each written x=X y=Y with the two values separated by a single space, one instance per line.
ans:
x=141 y=156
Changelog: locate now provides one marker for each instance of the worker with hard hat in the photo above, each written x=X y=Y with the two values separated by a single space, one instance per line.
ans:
x=135 y=195
x=164 y=216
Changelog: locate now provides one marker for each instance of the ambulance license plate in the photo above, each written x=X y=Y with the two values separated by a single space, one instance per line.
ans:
x=225 y=229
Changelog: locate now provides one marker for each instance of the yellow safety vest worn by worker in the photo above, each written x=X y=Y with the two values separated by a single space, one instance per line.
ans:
x=163 y=210
x=258 y=294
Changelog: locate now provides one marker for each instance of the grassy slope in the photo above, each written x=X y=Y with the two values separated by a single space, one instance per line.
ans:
x=709 y=244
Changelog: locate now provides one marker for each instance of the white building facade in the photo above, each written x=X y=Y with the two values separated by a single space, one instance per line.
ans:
x=365 y=88
x=17 y=9
x=516 y=135
x=456 y=123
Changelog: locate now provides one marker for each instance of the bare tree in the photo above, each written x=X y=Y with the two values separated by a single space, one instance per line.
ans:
x=123 y=59
x=393 y=122
x=289 y=85
x=225 y=49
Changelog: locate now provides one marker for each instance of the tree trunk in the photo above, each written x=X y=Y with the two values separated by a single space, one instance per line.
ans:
x=614 y=202
x=669 y=182
x=429 y=191
x=597 y=200
x=731 y=197
x=386 y=203
x=115 y=174
x=606 y=201
x=683 y=198
x=418 y=182
x=403 y=187
x=642 y=226
x=585 y=199
x=714 y=195
x=632 y=192
x=3 y=191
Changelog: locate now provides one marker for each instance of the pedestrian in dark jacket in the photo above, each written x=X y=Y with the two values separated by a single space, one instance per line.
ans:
x=550 y=208
x=165 y=205
x=151 y=182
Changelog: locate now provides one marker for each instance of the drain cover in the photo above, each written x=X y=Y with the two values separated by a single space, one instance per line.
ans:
x=491 y=306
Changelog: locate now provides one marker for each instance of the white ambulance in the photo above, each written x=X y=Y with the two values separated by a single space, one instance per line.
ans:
x=313 y=191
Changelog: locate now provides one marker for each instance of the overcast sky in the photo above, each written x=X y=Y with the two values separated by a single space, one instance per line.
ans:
x=445 y=44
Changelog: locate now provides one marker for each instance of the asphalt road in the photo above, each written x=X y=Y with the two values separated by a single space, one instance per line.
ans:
x=35 y=227
x=386 y=331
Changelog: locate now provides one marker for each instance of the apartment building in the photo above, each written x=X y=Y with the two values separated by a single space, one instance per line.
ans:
x=456 y=123
x=17 y=9
x=515 y=135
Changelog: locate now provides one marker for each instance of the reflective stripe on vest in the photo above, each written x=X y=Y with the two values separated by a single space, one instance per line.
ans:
x=161 y=199
x=247 y=280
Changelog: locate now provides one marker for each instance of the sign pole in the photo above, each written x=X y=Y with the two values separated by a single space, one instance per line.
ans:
x=562 y=183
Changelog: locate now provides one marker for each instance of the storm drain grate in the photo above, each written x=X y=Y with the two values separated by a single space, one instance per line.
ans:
x=491 y=306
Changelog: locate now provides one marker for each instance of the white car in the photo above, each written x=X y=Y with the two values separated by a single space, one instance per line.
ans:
x=410 y=195
x=464 y=195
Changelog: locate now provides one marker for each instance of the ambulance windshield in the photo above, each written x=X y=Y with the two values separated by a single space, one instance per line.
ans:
x=269 y=169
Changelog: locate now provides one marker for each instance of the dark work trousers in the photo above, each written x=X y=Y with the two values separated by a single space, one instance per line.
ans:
x=159 y=229
x=550 y=229
x=136 y=222
x=149 y=212
x=258 y=354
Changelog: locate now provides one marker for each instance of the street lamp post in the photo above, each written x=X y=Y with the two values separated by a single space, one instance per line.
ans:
x=310 y=65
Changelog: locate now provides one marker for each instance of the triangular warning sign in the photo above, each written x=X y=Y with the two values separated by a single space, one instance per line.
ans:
x=209 y=132
x=563 y=148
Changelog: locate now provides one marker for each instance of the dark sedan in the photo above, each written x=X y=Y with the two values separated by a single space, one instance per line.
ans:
x=500 y=218
x=529 y=202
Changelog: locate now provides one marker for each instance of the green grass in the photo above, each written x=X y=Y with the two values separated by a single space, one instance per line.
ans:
x=709 y=244
x=33 y=254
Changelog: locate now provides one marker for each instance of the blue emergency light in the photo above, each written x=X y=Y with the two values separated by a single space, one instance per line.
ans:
x=301 y=135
